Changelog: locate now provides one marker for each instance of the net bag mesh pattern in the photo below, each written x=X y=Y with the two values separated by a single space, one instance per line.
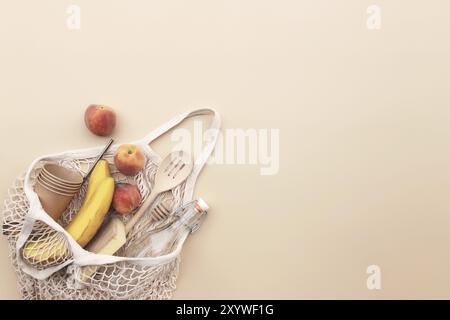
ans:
x=120 y=280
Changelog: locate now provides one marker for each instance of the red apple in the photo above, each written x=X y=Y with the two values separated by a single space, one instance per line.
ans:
x=126 y=198
x=129 y=159
x=100 y=120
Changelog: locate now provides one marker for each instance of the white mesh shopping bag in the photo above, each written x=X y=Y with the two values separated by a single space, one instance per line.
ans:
x=56 y=272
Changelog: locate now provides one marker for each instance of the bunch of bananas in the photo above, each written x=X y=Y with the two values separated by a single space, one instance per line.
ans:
x=84 y=226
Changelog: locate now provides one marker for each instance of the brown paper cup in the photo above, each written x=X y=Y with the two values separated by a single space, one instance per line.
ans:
x=58 y=186
x=52 y=202
x=63 y=175
x=56 y=189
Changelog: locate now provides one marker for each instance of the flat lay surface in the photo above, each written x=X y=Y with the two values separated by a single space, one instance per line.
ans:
x=360 y=176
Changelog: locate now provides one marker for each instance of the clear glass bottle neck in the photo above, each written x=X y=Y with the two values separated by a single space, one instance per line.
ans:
x=190 y=216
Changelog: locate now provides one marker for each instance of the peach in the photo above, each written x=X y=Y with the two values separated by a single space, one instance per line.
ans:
x=100 y=120
x=129 y=159
x=126 y=198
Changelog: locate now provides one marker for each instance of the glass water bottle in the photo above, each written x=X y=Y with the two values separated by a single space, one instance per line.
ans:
x=187 y=219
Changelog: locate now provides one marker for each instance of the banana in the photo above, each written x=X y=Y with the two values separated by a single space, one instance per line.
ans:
x=91 y=215
x=45 y=251
x=86 y=223
x=100 y=172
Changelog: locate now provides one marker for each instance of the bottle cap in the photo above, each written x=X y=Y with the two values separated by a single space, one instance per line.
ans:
x=202 y=204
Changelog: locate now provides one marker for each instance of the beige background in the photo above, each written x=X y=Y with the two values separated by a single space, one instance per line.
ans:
x=363 y=115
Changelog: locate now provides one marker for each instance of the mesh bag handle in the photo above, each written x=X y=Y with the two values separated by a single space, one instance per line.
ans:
x=212 y=134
